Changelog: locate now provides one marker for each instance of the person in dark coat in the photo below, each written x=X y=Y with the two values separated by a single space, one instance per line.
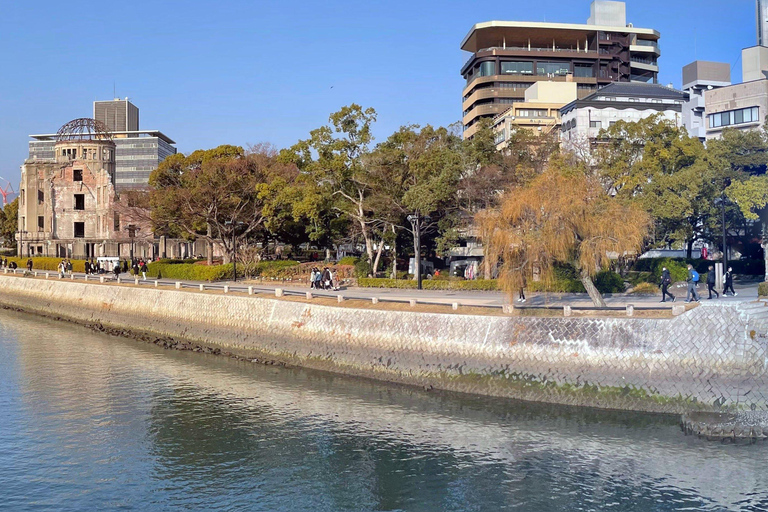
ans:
x=729 y=283
x=29 y=265
x=711 y=279
x=666 y=281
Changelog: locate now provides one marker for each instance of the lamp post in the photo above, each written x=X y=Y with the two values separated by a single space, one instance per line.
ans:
x=132 y=230
x=726 y=184
x=234 y=245
x=416 y=223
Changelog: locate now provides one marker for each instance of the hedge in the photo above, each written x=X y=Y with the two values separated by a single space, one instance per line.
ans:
x=747 y=267
x=762 y=289
x=266 y=268
x=429 y=284
x=189 y=271
x=51 y=264
x=347 y=260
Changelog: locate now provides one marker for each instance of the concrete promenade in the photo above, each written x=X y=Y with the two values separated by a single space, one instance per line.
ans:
x=745 y=292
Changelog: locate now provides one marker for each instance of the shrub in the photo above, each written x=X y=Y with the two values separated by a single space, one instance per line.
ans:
x=189 y=271
x=645 y=289
x=430 y=284
x=608 y=281
x=654 y=265
x=266 y=268
x=363 y=268
x=51 y=264
x=348 y=260
x=762 y=289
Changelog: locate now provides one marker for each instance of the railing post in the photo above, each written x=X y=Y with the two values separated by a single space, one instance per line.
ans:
x=309 y=295
x=226 y=288
x=202 y=287
x=374 y=300
x=412 y=302
x=178 y=285
x=630 y=310
x=278 y=292
x=566 y=310
x=250 y=290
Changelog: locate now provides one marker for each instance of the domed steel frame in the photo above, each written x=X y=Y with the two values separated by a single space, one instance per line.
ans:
x=83 y=129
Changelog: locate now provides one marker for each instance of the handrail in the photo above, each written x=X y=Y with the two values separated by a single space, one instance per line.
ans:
x=255 y=290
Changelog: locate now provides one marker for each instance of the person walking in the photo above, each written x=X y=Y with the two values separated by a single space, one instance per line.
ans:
x=312 y=278
x=692 y=280
x=318 y=279
x=335 y=280
x=62 y=269
x=729 y=283
x=666 y=281
x=143 y=269
x=711 y=280
x=29 y=265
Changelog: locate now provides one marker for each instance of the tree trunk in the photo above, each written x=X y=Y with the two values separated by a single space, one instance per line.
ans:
x=394 y=255
x=210 y=245
x=594 y=294
x=487 y=268
x=689 y=249
x=375 y=267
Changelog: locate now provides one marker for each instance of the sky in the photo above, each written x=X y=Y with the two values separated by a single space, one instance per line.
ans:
x=245 y=72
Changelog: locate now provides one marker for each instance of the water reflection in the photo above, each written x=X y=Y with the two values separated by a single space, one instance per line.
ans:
x=96 y=422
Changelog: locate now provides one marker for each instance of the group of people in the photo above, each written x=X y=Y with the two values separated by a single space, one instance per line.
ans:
x=64 y=268
x=4 y=264
x=693 y=282
x=323 y=279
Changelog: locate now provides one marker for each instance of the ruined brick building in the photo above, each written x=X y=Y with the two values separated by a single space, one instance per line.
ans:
x=69 y=207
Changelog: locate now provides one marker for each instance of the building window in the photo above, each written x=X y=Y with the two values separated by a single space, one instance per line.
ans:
x=79 y=229
x=595 y=124
x=40 y=197
x=583 y=70
x=117 y=222
x=733 y=117
x=77 y=175
x=22 y=195
x=79 y=201
x=40 y=223
x=552 y=68
x=517 y=68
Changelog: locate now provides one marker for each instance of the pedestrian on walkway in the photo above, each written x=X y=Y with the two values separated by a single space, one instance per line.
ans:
x=318 y=279
x=312 y=278
x=29 y=265
x=711 y=280
x=143 y=269
x=335 y=280
x=692 y=280
x=666 y=280
x=62 y=269
x=69 y=267
x=729 y=283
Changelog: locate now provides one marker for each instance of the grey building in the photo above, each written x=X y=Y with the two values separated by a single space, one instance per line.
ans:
x=762 y=22
x=137 y=152
x=698 y=77
x=118 y=115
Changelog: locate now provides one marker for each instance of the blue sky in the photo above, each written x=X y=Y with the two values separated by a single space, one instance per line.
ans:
x=243 y=72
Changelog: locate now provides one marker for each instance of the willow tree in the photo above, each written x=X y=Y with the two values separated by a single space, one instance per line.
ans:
x=562 y=216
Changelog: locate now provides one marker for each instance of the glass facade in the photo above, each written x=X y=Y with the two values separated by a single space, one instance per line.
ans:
x=583 y=70
x=552 y=68
x=734 y=117
x=517 y=68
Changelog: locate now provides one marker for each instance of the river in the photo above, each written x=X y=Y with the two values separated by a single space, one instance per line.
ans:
x=96 y=422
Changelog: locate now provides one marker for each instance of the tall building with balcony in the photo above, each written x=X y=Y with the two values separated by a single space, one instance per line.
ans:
x=509 y=56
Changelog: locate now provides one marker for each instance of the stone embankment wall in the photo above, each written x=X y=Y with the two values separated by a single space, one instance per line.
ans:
x=712 y=358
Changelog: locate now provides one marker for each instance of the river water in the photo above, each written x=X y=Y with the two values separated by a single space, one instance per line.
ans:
x=95 y=422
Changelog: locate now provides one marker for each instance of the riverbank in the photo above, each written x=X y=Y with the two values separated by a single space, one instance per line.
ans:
x=711 y=358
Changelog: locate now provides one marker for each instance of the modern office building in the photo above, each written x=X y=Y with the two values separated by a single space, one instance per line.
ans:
x=137 y=152
x=539 y=112
x=509 y=56
x=117 y=115
x=583 y=119
x=699 y=77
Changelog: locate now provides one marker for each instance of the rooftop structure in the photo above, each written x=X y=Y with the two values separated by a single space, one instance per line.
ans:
x=118 y=115
x=698 y=77
x=583 y=119
x=509 y=56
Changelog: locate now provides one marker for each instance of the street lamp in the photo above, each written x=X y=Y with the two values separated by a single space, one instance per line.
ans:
x=726 y=184
x=416 y=223
x=234 y=245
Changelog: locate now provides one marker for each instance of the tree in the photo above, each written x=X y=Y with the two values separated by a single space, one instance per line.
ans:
x=331 y=161
x=415 y=171
x=669 y=174
x=10 y=222
x=563 y=215
x=218 y=195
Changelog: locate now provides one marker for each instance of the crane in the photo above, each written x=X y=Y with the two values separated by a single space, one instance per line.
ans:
x=6 y=191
